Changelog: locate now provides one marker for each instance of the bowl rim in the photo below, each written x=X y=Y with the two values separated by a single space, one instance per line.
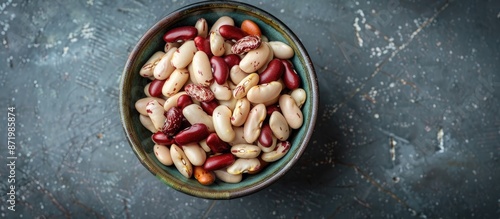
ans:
x=124 y=103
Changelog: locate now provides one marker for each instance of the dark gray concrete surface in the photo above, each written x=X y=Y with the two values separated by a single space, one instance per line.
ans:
x=408 y=125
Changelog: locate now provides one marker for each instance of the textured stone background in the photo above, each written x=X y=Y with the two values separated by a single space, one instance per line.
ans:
x=422 y=76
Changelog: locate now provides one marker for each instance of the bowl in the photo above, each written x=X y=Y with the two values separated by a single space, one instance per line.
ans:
x=132 y=84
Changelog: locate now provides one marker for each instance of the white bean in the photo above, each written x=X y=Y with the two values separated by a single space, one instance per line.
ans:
x=195 y=114
x=217 y=44
x=162 y=153
x=175 y=82
x=222 y=123
x=299 y=95
x=281 y=149
x=281 y=50
x=147 y=123
x=245 y=150
x=240 y=112
x=148 y=68
x=202 y=27
x=248 y=82
x=244 y=165
x=202 y=69
x=221 y=91
x=194 y=153
x=172 y=101
x=291 y=111
x=156 y=113
x=184 y=54
x=140 y=105
x=223 y=20
x=279 y=126
x=255 y=59
x=263 y=93
x=226 y=177
x=180 y=161
x=254 y=123
x=164 y=67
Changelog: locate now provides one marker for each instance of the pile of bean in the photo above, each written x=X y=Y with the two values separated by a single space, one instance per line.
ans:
x=221 y=102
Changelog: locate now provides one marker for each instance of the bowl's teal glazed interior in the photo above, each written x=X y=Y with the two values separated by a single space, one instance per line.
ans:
x=132 y=89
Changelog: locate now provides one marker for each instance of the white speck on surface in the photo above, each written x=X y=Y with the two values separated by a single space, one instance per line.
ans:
x=376 y=116
x=357 y=27
x=282 y=10
x=440 y=139
x=90 y=2
x=87 y=31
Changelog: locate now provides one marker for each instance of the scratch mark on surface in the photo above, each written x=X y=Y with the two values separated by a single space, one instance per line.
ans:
x=392 y=149
x=379 y=66
x=440 y=135
x=54 y=201
x=209 y=209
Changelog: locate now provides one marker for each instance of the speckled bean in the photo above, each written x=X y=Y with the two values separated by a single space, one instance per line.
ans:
x=244 y=165
x=140 y=105
x=281 y=50
x=248 y=82
x=184 y=54
x=164 y=67
x=201 y=26
x=291 y=111
x=172 y=101
x=240 y=112
x=217 y=44
x=194 y=153
x=180 y=161
x=195 y=114
x=264 y=92
x=221 y=91
x=202 y=69
x=156 y=113
x=281 y=149
x=245 y=150
x=222 y=123
x=162 y=153
x=279 y=126
x=255 y=59
x=254 y=122
x=175 y=82
x=148 y=68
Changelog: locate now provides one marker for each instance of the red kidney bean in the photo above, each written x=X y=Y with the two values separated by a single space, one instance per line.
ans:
x=246 y=44
x=230 y=32
x=290 y=77
x=209 y=106
x=219 y=69
x=162 y=139
x=199 y=93
x=266 y=135
x=273 y=72
x=219 y=161
x=203 y=44
x=183 y=101
x=173 y=122
x=216 y=144
x=155 y=87
x=194 y=133
x=232 y=60
x=180 y=34
x=271 y=108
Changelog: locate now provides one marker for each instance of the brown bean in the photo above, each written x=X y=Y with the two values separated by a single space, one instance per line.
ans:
x=273 y=72
x=203 y=176
x=218 y=161
x=194 y=133
x=250 y=27
x=180 y=34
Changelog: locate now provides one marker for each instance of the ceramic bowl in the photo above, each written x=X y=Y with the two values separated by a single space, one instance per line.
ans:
x=132 y=84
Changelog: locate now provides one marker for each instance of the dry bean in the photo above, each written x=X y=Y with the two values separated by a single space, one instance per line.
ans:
x=203 y=176
x=281 y=149
x=245 y=150
x=270 y=57
x=146 y=89
x=162 y=153
x=164 y=67
x=254 y=122
x=162 y=139
x=203 y=44
x=148 y=68
x=155 y=87
x=248 y=82
x=184 y=54
x=222 y=123
x=245 y=44
x=270 y=148
x=169 y=46
x=220 y=69
x=147 y=123
x=180 y=161
x=264 y=93
x=281 y=50
x=279 y=126
x=226 y=177
x=221 y=91
x=199 y=93
x=250 y=27
x=195 y=114
x=244 y=165
x=209 y=106
x=140 y=105
x=183 y=101
x=202 y=27
x=231 y=32
x=175 y=82
x=194 y=153
x=240 y=112
x=291 y=111
x=236 y=74
x=273 y=72
x=255 y=59
x=180 y=34
x=172 y=101
x=219 y=161
x=156 y=113
x=223 y=20
x=173 y=121
x=266 y=136
x=216 y=144
x=232 y=60
x=299 y=95
x=217 y=44
x=202 y=69
x=231 y=103
x=239 y=136
x=290 y=77
x=193 y=133
x=204 y=145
